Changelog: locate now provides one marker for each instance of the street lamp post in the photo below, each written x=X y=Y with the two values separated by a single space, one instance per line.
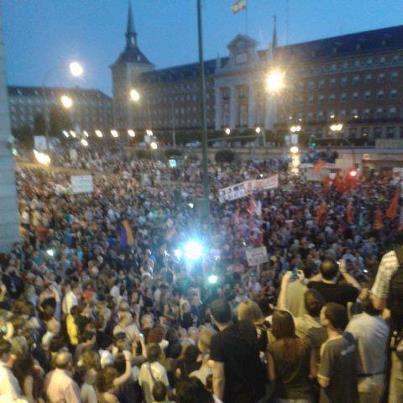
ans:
x=206 y=207
x=76 y=70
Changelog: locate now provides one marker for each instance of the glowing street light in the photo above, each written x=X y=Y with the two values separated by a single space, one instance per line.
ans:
x=258 y=130
x=275 y=81
x=76 y=69
x=227 y=131
x=336 y=127
x=149 y=132
x=134 y=95
x=66 y=133
x=73 y=134
x=85 y=133
x=84 y=142
x=131 y=133
x=42 y=158
x=66 y=101
x=98 y=133
x=212 y=279
x=114 y=133
x=295 y=129
x=193 y=250
x=294 y=150
x=50 y=252
x=153 y=145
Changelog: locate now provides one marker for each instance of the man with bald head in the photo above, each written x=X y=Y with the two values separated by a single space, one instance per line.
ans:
x=59 y=385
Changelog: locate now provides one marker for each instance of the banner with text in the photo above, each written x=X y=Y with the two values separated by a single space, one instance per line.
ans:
x=256 y=256
x=82 y=184
x=246 y=188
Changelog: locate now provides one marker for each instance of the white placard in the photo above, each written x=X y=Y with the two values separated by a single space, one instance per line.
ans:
x=82 y=184
x=40 y=143
x=246 y=188
x=256 y=256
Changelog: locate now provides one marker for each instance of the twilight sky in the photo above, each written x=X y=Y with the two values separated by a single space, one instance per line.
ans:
x=40 y=34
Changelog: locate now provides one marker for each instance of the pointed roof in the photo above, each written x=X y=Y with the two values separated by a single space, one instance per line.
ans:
x=131 y=53
x=274 y=37
x=241 y=38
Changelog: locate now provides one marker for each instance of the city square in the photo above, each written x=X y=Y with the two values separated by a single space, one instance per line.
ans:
x=200 y=201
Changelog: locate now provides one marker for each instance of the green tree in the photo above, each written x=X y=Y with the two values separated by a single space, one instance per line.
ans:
x=59 y=120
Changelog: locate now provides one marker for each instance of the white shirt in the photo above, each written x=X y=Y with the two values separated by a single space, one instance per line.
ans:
x=69 y=301
x=9 y=386
x=150 y=373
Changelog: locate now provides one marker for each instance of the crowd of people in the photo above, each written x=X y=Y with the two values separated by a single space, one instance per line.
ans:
x=100 y=301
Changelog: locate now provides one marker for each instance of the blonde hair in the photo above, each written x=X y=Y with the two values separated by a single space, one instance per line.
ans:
x=250 y=310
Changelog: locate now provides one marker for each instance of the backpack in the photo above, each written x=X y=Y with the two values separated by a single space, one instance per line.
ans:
x=395 y=305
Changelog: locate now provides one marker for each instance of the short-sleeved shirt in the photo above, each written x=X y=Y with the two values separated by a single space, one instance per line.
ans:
x=389 y=264
x=237 y=348
x=338 y=293
x=292 y=378
x=338 y=365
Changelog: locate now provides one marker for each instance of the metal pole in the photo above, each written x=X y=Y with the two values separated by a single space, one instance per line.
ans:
x=173 y=125
x=206 y=207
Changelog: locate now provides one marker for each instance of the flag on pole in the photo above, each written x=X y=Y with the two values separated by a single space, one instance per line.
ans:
x=318 y=166
x=238 y=6
x=350 y=213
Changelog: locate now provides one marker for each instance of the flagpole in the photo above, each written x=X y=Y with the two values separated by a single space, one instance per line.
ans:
x=246 y=18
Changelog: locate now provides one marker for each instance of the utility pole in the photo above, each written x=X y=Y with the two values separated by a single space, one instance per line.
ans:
x=206 y=206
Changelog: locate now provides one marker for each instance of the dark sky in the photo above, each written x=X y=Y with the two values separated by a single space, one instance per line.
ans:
x=40 y=34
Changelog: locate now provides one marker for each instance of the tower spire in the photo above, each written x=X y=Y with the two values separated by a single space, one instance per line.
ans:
x=274 y=37
x=131 y=34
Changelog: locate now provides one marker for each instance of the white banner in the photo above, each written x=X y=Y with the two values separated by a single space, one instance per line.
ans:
x=256 y=256
x=82 y=184
x=246 y=188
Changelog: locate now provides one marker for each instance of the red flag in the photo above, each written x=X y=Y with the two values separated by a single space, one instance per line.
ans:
x=318 y=166
x=251 y=209
x=391 y=212
x=321 y=213
x=378 y=219
x=350 y=214
x=339 y=183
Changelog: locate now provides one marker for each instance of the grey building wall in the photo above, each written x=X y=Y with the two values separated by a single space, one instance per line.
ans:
x=9 y=222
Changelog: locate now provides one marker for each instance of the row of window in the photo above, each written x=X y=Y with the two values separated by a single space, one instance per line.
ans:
x=345 y=80
x=23 y=101
x=343 y=97
x=363 y=132
x=356 y=63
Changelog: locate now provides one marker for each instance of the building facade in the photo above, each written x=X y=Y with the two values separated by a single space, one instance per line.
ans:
x=91 y=110
x=355 y=80
x=9 y=221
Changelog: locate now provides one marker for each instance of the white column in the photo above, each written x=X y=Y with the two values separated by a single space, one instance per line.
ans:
x=9 y=222
x=233 y=108
x=218 y=107
x=251 y=106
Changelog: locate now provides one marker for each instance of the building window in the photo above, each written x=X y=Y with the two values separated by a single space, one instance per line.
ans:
x=320 y=115
x=368 y=77
x=342 y=113
x=367 y=113
x=394 y=75
x=309 y=116
x=393 y=93
x=379 y=112
x=356 y=79
x=382 y=60
x=367 y=94
x=321 y=99
x=355 y=95
x=392 y=111
x=369 y=61
x=354 y=113
x=380 y=94
x=333 y=81
x=310 y=99
x=321 y=83
x=381 y=77
x=378 y=131
x=343 y=97
x=332 y=97
x=345 y=65
x=352 y=132
x=344 y=81
x=390 y=132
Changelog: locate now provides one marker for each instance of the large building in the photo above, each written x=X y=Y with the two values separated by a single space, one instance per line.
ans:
x=91 y=110
x=9 y=223
x=356 y=80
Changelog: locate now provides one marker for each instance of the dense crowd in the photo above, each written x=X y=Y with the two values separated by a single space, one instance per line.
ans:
x=101 y=302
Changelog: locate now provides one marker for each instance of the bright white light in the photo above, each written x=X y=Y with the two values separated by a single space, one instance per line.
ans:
x=193 y=250
x=66 y=101
x=332 y=116
x=258 y=130
x=114 y=133
x=227 y=131
x=73 y=134
x=336 y=127
x=84 y=142
x=15 y=152
x=261 y=176
x=275 y=81
x=355 y=116
x=294 y=150
x=66 y=133
x=191 y=205
x=134 y=95
x=212 y=279
x=295 y=129
x=85 y=133
x=50 y=252
x=42 y=158
x=131 y=133
x=353 y=173
x=149 y=132
x=178 y=253
x=98 y=133
x=76 y=69
x=153 y=145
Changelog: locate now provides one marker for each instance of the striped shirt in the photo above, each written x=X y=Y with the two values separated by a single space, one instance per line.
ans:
x=389 y=264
